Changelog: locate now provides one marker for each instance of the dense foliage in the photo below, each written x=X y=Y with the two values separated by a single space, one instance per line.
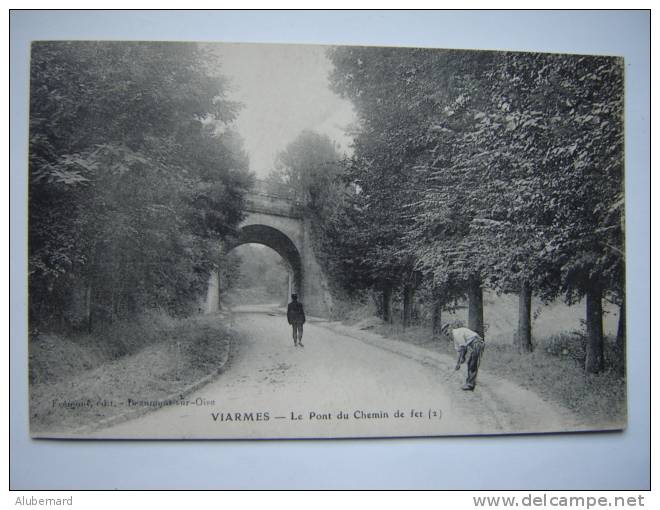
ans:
x=136 y=178
x=490 y=169
x=313 y=170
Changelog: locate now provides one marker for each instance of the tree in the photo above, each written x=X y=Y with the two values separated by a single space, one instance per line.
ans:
x=135 y=176
x=539 y=159
x=564 y=133
x=381 y=83
x=312 y=167
x=309 y=166
x=491 y=169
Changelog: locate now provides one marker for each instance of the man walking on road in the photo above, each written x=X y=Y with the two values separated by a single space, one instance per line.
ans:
x=466 y=342
x=296 y=317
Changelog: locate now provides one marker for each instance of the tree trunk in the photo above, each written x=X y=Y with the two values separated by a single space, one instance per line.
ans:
x=387 y=304
x=621 y=329
x=594 y=360
x=524 y=336
x=436 y=317
x=221 y=282
x=408 y=291
x=114 y=306
x=88 y=307
x=212 y=293
x=475 y=306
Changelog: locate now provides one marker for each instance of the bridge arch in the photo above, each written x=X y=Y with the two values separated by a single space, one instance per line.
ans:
x=275 y=220
x=276 y=240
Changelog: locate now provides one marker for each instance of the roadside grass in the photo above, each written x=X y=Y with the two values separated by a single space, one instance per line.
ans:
x=54 y=357
x=80 y=380
x=554 y=370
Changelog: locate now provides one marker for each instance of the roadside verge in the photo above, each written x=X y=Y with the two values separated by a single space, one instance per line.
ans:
x=513 y=409
x=162 y=374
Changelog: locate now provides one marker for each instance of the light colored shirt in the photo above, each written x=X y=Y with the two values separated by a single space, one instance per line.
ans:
x=463 y=337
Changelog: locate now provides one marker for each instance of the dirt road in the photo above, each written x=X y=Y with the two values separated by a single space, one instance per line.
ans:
x=343 y=383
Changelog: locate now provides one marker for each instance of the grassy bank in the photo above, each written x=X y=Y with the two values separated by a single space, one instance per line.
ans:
x=77 y=381
x=554 y=370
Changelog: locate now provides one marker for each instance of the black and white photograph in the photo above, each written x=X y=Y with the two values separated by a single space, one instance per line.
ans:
x=272 y=241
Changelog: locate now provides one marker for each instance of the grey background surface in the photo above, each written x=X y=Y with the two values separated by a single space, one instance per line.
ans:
x=567 y=461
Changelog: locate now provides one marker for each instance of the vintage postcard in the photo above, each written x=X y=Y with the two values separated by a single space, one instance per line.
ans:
x=256 y=241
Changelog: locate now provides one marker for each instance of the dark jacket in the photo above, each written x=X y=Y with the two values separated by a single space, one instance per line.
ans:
x=295 y=312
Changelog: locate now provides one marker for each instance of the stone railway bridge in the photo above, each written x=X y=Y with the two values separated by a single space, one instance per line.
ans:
x=277 y=221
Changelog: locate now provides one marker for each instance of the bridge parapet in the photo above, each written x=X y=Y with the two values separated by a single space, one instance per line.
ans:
x=274 y=189
x=267 y=199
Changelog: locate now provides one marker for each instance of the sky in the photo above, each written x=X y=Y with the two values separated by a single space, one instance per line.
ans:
x=284 y=89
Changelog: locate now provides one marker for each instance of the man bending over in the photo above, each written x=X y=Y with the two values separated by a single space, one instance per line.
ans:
x=466 y=342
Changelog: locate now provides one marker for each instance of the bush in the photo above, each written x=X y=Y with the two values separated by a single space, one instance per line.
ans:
x=566 y=345
x=55 y=357
x=574 y=346
x=207 y=349
x=124 y=337
x=555 y=369
x=352 y=309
